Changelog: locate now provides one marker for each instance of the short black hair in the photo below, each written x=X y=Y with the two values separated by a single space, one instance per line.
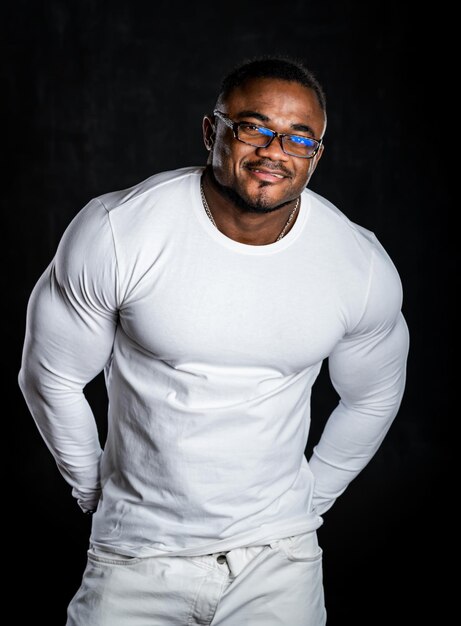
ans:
x=279 y=66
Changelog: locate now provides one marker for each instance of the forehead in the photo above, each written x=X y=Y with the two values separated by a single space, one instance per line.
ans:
x=275 y=98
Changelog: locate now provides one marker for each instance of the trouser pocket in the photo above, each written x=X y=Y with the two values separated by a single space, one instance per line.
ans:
x=111 y=558
x=302 y=547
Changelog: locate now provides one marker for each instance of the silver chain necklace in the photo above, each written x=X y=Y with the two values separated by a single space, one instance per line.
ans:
x=210 y=215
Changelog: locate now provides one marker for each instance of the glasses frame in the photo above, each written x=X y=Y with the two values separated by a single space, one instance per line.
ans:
x=235 y=126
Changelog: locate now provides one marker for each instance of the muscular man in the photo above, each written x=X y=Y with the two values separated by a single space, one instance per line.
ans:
x=210 y=296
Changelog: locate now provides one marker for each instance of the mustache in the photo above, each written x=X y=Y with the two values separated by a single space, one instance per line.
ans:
x=268 y=165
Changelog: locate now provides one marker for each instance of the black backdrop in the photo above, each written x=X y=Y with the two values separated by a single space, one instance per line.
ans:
x=101 y=95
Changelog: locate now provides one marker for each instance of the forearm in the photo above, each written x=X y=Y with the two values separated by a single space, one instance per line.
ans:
x=371 y=390
x=67 y=426
x=348 y=443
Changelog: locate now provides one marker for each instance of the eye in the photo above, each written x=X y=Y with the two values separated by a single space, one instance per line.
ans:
x=254 y=130
x=264 y=131
x=303 y=141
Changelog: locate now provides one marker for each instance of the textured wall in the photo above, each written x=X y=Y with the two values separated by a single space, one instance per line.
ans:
x=101 y=95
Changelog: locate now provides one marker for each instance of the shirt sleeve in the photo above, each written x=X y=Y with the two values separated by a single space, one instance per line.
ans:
x=70 y=327
x=368 y=369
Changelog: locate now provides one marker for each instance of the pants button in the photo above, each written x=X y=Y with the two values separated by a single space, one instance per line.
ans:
x=221 y=558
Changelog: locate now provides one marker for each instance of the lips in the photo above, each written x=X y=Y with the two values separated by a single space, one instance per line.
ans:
x=266 y=173
x=270 y=172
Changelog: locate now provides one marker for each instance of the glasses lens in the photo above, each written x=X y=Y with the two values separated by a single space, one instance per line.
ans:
x=254 y=135
x=300 y=146
x=296 y=145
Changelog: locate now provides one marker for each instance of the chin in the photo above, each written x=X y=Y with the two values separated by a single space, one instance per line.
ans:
x=258 y=208
x=259 y=203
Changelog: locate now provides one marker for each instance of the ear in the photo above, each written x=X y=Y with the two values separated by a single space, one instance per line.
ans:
x=208 y=131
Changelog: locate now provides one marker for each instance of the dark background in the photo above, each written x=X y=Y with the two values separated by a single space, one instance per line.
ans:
x=101 y=95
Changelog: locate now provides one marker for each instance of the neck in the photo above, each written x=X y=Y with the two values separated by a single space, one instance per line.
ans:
x=244 y=226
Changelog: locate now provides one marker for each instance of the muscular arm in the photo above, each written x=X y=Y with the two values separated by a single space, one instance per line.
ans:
x=71 y=320
x=367 y=369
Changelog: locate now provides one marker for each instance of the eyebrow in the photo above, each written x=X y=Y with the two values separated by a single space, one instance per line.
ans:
x=303 y=128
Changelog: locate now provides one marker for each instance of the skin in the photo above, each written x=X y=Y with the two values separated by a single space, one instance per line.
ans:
x=251 y=191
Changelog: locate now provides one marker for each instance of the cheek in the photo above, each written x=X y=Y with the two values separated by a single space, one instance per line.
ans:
x=221 y=155
x=309 y=169
x=304 y=172
x=227 y=160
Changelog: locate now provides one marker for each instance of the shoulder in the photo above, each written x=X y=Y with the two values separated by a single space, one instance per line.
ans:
x=361 y=259
x=155 y=187
x=337 y=225
x=353 y=242
x=125 y=213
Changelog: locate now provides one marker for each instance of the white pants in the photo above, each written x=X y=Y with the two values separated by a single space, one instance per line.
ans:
x=273 y=585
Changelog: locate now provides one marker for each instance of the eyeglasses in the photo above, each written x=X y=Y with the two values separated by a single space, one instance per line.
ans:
x=262 y=137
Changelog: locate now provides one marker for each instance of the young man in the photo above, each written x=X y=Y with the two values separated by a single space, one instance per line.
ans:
x=211 y=296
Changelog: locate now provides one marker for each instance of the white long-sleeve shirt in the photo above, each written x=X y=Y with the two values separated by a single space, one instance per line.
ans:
x=210 y=349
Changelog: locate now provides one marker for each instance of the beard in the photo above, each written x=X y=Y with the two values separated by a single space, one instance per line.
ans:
x=259 y=207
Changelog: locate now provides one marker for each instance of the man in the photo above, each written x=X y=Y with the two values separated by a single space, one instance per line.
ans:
x=211 y=296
